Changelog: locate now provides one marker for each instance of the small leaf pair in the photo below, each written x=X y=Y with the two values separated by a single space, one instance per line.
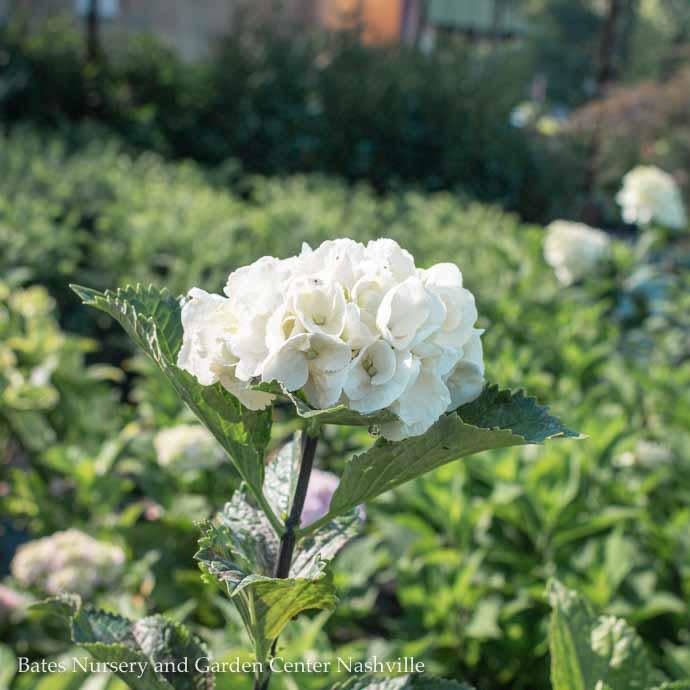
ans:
x=147 y=646
x=239 y=549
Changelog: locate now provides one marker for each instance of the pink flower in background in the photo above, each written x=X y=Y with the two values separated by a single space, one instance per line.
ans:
x=12 y=603
x=322 y=486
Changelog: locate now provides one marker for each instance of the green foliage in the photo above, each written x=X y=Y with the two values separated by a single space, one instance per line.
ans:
x=46 y=391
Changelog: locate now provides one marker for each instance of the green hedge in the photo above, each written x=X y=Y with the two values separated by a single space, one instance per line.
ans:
x=388 y=115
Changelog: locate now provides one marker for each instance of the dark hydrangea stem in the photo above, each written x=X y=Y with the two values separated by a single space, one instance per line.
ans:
x=287 y=541
x=289 y=537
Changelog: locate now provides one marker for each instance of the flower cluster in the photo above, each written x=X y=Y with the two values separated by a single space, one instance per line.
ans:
x=346 y=324
x=187 y=446
x=68 y=561
x=574 y=249
x=650 y=194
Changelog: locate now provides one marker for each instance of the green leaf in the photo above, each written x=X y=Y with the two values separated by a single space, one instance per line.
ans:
x=151 y=317
x=497 y=419
x=144 y=644
x=400 y=683
x=8 y=666
x=589 y=652
x=517 y=412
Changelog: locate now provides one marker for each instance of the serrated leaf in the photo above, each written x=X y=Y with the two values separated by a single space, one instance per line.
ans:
x=151 y=317
x=521 y=414
x=143 y=644
x=401 y=683
x=325 y=543
x=497 y=419
x=589 y=652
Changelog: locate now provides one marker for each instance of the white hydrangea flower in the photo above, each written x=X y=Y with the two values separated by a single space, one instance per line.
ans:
x=68 y=561
x=187 y=446
x=573 y=249
x=650 y=194
x=345 y=324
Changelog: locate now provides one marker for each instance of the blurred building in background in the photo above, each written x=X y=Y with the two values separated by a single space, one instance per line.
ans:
x=192 y=27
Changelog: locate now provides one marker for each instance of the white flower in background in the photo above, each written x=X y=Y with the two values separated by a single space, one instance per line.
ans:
x=573 y=249
x=647 y=454
x=186 y=447
x=68 y=561
x=345 y=324
x=650 y=194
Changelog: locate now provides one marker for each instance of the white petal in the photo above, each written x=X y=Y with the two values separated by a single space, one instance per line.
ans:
x=387 y=256
x=403 y=311
x=327 y=354
x=466 y=381
x=288 y=364
x=319 y=306
x=324 y=390
x=442 y=275
x=377 y=397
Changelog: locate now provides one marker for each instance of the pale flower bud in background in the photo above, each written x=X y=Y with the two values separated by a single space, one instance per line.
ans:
x=574 y=250
x=187 y=447
x=68 y=561
x=651 y=195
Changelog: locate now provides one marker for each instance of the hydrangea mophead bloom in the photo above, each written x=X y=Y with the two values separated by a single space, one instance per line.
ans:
x=346 y=324
x=650 y=194
x=574 y=249
x=68 y=561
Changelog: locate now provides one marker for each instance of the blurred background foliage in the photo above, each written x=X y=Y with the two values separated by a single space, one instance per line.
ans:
x=143 y=166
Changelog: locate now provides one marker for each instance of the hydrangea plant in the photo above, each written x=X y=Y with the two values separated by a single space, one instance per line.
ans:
x=345 y=334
